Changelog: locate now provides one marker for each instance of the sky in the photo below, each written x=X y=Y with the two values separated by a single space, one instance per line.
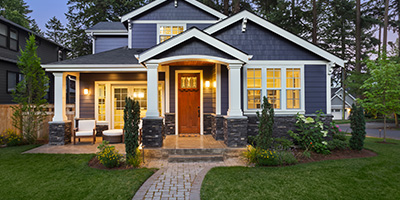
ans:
x=43 y=10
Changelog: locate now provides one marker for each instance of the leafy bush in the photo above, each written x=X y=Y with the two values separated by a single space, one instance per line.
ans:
x=267 y=158
x=262 y=157
x=337 y=144
x=11 y=138
x=357 y=125
x=310 y=134
x=282 y=144
x=135 y=160
x=108 y=155
x=251 y=154
x=286 y=158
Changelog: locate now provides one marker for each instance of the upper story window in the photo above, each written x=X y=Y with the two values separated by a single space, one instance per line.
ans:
x=166 y=31
x=3 y=35
x=13 y=39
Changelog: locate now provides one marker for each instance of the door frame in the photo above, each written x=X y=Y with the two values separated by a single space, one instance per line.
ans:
x=176 y=98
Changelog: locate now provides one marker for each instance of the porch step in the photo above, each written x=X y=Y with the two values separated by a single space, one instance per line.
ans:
x=195 y=151
x=195 y=158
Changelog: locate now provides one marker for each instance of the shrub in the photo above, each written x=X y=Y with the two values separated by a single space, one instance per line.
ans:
x=310 y=134
x=337 y=144
x=131 y=127
x=135 y=160
x=286 y=158
x=108 y=155
x=11 y=138
x=267 y=158
x=251 y=154
x=337 y=133
x=264 y=138
x=262 y=157
x=282 y=144
x=357 y=125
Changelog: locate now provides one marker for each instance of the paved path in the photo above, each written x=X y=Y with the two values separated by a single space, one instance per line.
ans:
x=372 y=130
x=178 y=180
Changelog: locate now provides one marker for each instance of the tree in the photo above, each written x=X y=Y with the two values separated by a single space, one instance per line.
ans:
x=29 y=94
x=315 y=16
x=264 y=138
x=385 y=26
x=357 y=125
x=16 y=11
x=35 y=28
x=131 y=126
x=358 y=36
x=55 y=30
x=382 y=92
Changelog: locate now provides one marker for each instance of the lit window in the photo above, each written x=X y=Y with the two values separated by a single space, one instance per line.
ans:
x=168 y=31
x=292 y=82
x=293 y=99
x=102 y=103
x=254 y=80
x=274 y=87
x=140 y=95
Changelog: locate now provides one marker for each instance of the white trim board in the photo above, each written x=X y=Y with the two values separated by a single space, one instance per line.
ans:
x=94 y=68
x=174 y=21
x=172 y=59
x=193 y=33
x=169 y=24
x=158 y=2
x=275 y=29
x=201 y=99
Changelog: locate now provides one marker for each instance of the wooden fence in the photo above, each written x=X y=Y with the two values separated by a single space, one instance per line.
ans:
x=6 y=113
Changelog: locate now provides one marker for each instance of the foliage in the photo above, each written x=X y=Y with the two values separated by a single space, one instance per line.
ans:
x=55 y=31
x=337 y=144
x=30 y=92
x=264 y=138
x=134 y=160
x=286 y=158
x=310 y=134
x=16 y=11
x=357 y=126
x=131 y=126
x=337 y=133
x=11 y=138
x=268 y=157
x=108 y=155
x=282 y=144
x=382 y=92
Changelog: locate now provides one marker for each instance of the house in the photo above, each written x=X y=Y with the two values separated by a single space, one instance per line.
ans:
x=12 y=39
x=337 y=103
x=193 y=71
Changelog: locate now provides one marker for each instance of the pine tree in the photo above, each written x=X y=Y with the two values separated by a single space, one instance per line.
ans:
x=16 y=11
x=264 y=138
x=29 y=94
x=131 y=126
x=357 y=125
x=55 y=30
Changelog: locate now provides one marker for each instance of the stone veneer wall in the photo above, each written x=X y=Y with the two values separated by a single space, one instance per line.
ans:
x=282 y=124
x=60 y=132
x=152 y=132
x=207 y=123
x=235 y=131
x=217 y=127
x=170 y=123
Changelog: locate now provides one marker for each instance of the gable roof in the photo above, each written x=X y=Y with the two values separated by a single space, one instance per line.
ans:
x=189 y=34
x=118 y=26
x=277 y=30
x=339 y=91
x=158 y=2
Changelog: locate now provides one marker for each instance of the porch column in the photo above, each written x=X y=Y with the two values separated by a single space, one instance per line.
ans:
x=152 y=91
x=59 y=97
x=234 y=109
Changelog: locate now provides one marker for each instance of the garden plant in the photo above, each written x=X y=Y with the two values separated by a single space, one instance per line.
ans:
x=131 y=130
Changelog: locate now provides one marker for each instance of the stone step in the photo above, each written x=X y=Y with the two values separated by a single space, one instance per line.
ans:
x=195 y=158
x=195 y=151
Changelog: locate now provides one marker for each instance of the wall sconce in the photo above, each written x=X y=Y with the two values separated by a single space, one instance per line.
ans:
x=141 y=95
x=86 y=91
x=207 y=84
x=215 y=84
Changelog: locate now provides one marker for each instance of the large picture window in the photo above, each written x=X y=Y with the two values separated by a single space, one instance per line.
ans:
x=168 y=31
x=282 y=85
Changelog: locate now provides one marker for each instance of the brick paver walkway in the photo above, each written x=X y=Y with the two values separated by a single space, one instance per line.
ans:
x=178 y=180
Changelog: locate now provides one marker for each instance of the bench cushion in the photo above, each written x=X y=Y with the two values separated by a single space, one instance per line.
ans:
x=113 y=132
x=84 y=133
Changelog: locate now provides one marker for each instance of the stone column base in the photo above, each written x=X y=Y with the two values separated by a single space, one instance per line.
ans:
x=152 y=132
x=170 y=123
x=235 y=131
x=60 y=133
x=217 y=124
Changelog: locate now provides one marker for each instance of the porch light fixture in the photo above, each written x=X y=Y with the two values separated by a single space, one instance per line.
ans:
x=86 y=91
x=135 y=95
x=207 y=84
x=141 y=94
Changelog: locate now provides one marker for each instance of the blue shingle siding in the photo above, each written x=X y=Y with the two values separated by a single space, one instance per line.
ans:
x=108 y=43
x=193 y=47
x=199 y=26
x=167 y=11
x=315 y=88
x=262 y=43
x=144 y=35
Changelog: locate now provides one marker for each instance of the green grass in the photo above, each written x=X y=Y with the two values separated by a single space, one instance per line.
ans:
x=339 y=121
x=362 y=178
x=57 y=176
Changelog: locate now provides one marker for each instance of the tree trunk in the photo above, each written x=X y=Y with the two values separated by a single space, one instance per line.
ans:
x=236 y=6
x=358 y=36
x=385 y=26
x=314 y=30
x=344 y=94
x=396 y=120
x=380 y=40
x=384 y=128
x=226 y=7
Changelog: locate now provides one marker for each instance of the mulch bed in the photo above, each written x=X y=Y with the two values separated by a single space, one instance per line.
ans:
x=94 y=163
x=335 y=155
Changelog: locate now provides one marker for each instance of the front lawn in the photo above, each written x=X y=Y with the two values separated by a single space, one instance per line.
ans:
x=57 y=176
x=362 y=178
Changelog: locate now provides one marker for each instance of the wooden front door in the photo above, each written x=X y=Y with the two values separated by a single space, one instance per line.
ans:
x=189 y=103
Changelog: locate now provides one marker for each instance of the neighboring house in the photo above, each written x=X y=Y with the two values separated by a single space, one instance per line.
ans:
x=194 y=71
x=337 y=103
x=12 y=39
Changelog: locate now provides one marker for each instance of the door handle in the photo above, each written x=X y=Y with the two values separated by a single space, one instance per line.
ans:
x=198 y=111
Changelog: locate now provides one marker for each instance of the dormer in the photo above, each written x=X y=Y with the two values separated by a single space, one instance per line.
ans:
x=108 y=35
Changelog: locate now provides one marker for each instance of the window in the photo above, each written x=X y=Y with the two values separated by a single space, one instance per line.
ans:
x=14 y=39
x=101 y=102
x=13 y=78
x=167 y=31
x=3 y=35
x=282 y=85
x=254 y=80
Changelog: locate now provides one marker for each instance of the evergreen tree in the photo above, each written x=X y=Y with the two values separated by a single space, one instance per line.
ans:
x=29 y=94
x=131 y=126
x=264 y=138
x=35 y=28
x=357 y=125
x=55 y=30
x=16 y=11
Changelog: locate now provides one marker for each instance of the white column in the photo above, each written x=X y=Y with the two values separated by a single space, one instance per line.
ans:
x=77 y=95
x=129 y=34
x=218 y=90
x=59 y=97
x=234 y=91
x=152 y=91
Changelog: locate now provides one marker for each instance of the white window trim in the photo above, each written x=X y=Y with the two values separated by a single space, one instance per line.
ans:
x=168 y=24
x=283 y=67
